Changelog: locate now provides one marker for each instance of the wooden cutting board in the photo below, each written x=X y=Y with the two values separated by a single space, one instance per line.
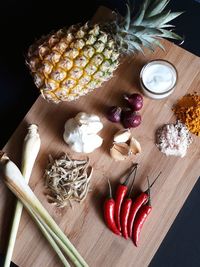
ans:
x=84 y=223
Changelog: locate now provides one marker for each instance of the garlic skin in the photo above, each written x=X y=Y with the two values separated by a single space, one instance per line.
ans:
x=81 y=133
x=120 y=151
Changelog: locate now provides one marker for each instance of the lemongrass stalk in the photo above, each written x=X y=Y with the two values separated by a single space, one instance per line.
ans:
x=49 y=238
x=31 y=148
x=48 y=227
x=14 y=180
x=49 y=231
x=30 y=151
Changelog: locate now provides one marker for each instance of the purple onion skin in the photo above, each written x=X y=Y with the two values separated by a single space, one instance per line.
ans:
x=114 y=114
x=135 y=101
x=131 y=119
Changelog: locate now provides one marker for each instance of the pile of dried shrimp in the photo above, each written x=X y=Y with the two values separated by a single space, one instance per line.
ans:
x=67 y=179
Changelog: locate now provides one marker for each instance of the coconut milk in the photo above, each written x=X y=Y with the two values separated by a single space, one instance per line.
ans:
x=158 y=79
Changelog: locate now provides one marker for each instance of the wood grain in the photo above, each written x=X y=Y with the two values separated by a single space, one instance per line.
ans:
x=84 y=223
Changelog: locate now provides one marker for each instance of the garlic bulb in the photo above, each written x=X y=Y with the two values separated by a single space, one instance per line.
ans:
x=81 y=133
x=89 y=123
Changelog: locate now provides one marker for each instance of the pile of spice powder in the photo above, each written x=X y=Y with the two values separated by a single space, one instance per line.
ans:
x=173 y=139
x=187 y=110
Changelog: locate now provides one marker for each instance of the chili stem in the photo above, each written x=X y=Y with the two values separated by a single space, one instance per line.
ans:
x=135 y=169
x=129 y=175
x=155 y=179
x=149 y=192
x=110 y=189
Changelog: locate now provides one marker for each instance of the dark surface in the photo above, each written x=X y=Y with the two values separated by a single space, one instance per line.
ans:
x=24 y=21
x=181 y=245
x=2 y=261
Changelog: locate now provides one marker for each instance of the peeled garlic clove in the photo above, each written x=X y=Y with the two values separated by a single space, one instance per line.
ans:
x=135 y=146
x=122 y=136
x=120 y=151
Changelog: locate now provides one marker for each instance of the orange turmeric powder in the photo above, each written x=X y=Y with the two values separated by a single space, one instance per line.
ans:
x=187 y=110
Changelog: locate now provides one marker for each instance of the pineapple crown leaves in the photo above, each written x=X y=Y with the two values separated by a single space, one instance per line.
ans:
x=149 y=24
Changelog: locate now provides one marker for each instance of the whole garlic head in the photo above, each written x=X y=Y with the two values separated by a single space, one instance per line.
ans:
x=89 y=123
x=81 y=132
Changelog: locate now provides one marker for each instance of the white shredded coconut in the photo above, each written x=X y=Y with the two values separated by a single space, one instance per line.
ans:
x=173 y=139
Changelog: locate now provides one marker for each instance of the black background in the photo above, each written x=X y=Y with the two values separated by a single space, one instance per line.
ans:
x=24 y=21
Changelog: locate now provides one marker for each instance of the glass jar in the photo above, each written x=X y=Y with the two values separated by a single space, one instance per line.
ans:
x=158 y=78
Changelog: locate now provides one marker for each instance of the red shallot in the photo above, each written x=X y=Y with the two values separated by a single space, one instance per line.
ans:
x=135 y=101
x=131 y=119
x=114 y=114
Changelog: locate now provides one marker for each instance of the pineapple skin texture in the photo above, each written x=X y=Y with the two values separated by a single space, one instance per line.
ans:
x=72 y=62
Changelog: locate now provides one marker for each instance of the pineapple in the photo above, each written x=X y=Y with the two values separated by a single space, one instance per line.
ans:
x=74 y=61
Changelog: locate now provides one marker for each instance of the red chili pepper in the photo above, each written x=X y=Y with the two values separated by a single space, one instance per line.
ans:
x=109 y=208
x=139 y=221
x=140 y=200
x=125 y=210
x=141 y=218
x=119 y=197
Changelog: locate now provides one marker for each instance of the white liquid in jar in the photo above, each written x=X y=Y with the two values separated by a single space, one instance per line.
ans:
x=158 y=78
